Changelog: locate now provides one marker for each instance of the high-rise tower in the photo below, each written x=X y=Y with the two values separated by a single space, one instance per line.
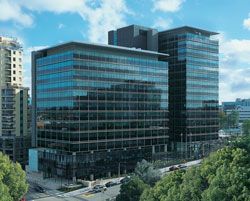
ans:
x=14 y=132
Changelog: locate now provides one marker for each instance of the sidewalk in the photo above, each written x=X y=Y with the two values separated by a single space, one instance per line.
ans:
x=50 y=183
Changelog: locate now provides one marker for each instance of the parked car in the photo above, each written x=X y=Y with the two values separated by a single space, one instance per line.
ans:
x=172 y=168
x=39 y=189
x=110 y=183
x=125 y=180
x=182 y=166
x=99 y=188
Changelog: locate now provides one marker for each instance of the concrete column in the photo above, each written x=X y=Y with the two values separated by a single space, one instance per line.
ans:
x=91 y=177
x=153 y=149
x=165 y=148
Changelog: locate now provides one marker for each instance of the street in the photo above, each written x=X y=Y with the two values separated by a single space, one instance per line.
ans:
x=83 y=194
x=111 y=192
x=34 y=195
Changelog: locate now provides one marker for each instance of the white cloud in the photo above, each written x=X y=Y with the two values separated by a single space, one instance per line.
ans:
x=61 y=26
x=109 y=15
x=162 y=24
x=246 y=22
x=11 y=10
x=57 y=6
x=101 y=16
x=167 y=5
x=236 y=50
x=234 y=68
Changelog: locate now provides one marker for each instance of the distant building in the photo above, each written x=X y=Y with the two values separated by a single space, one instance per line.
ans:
x=97 y=109
x=242 y=106
x=14 y=132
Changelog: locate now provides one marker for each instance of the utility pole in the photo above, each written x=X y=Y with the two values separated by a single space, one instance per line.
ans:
x=119 y=169
x=181 y=147
x=203 y=149
x=186 y=146
x=190 y=141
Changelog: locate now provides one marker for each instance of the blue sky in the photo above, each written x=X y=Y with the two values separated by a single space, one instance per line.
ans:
x=41 y=23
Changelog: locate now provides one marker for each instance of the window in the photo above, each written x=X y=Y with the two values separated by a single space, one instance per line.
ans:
x=14 y=72
x=14 y=58
x=14 y=65
x=14 y=78
x=14 y=52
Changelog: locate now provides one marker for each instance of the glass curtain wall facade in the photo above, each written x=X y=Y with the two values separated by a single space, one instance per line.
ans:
x=193 y=86
x=99 y=109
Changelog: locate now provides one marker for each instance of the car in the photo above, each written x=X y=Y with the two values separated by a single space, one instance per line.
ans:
x=182 y=166
x=125 y=180
x=172 y=168
x=99 y=188
x=110 y=183
x=39 y=189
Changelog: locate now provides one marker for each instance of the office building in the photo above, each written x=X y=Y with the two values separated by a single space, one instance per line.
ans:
x=134 y=36
x=14 y=132
x=97 y=109
x=193 y=84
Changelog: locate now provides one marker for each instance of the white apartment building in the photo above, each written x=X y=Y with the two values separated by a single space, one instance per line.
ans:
x=14 y=132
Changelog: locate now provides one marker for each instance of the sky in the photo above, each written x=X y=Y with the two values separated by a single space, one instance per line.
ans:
x=42 y=23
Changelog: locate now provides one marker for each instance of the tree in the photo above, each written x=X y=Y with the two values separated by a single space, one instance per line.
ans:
x=132 y=190
x=227 y=173
x=228 y=120
x=233 y=119
x=223 y=176
x=246 y=127
x=167 y=189
x=13 y=185
x=222 y=119
x=146 y=172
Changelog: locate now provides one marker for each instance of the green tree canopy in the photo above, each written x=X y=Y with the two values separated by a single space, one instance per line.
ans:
x=233 y=119
x=228 y=120
x=13 y=185
x=223 y=119
x=132 y=190
x=147 y=173
x=167 y=189
x=223 y=176
x=246 y=127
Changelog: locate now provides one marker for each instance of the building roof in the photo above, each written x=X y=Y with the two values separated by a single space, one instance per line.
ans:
x=184 y=29
x=110 y=47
